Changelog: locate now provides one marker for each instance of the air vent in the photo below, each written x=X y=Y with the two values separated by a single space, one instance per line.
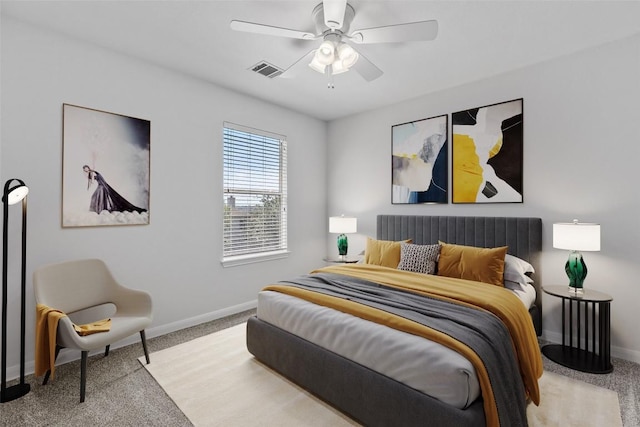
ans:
x=267 y=69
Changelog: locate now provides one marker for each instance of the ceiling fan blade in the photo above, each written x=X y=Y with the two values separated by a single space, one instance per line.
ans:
x=366 y=69
x=252 y=27
x=334 y=13
x=413 y=31
x=295 y=68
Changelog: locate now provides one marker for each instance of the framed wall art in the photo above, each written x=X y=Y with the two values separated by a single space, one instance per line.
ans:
x=105 y=168
x=419 y=161
x=487 y=154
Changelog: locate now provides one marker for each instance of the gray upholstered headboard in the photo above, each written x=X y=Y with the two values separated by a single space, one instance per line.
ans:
x=522 y=235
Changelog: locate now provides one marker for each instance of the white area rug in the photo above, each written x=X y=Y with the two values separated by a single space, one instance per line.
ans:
x=215 y=381
x=568 y=402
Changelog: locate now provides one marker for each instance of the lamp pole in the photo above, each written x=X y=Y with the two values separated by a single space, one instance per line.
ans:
x=12 y=195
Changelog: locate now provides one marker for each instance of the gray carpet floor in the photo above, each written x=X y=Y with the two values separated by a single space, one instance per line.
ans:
x=120 y=392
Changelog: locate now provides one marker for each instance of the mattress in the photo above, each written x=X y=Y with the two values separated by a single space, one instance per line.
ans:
x=423 y=365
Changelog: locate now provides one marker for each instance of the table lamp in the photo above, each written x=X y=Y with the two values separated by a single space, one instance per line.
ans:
x=342 y=225
x=576 y=236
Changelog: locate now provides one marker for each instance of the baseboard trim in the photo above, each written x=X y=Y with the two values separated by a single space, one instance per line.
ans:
x=197 y=320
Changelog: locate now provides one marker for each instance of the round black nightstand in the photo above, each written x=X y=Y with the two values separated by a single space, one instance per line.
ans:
x=591 y=321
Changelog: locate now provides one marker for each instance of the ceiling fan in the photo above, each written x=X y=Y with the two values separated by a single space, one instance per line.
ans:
x=332 y=19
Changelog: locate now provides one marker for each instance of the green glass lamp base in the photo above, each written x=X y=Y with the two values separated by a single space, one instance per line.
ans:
x=576 y=270
x=343 y=245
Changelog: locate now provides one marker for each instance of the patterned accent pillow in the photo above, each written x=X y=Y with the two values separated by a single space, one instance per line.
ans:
x=418 y=258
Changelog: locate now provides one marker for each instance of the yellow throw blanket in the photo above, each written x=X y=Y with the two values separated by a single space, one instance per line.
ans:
x=46 y=328
x=501 y=303
x=103 y=325
x=47 y=319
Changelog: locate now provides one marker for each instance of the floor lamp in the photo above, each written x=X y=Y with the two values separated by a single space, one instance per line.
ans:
x=12 y=195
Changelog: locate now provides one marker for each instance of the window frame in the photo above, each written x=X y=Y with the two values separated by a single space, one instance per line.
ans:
x=282 y=251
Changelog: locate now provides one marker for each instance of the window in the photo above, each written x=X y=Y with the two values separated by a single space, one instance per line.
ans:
x=255 y=195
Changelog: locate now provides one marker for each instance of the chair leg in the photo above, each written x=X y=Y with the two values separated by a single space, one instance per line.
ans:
x=106 y=350
x=144 y=345
x=48 y=374
x=83 y=375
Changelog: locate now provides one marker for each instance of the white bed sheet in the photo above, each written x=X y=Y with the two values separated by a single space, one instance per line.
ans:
x=424 y=365
x=526 y=292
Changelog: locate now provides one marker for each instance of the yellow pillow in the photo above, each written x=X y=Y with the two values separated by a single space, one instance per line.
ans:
x=471 y=263
x=383 y=252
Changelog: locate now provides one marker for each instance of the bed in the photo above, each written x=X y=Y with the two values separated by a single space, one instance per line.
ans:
x=367 y=392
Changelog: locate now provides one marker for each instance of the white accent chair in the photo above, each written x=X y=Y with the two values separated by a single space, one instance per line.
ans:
x=74 y=286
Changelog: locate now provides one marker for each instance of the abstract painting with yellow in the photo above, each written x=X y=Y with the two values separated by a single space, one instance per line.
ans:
x=467 y=172
x=487 y=154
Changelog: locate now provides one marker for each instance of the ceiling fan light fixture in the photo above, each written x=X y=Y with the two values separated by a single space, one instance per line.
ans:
x=316 y=65
x=348 y=56
x=337 y=55
x=325 y=54
x=339 y=67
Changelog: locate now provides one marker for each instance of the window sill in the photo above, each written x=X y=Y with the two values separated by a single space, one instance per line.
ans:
x=233 y=261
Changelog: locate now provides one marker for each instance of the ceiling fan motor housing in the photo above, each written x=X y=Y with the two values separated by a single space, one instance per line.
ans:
x=319 y=20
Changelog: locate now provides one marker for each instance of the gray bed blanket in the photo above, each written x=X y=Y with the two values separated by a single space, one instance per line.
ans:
x=480 y=330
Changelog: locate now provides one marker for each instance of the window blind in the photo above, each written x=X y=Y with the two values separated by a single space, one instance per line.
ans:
x=255 y=192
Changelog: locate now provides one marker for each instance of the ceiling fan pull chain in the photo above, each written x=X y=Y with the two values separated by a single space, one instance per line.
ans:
x=329 y=72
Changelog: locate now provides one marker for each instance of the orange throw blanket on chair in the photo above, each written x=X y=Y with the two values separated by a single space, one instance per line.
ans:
x=47 y=319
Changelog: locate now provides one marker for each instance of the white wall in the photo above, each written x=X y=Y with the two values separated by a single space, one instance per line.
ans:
x=175 y=257
x=581 y=152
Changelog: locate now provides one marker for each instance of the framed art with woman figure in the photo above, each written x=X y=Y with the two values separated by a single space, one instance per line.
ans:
x=105 y=174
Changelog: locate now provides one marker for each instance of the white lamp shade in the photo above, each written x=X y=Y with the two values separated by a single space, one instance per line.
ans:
x=316 y=65
x=343 y=224
x=338 y=67
x=347 y=55
x=325 y=53
x=576 y=236
x=17 y=194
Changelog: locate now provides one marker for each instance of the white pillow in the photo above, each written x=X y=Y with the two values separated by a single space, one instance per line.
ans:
x=521 y=264
x=516 y=269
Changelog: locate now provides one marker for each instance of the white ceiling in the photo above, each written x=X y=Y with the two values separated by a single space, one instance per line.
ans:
x=476 y=39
